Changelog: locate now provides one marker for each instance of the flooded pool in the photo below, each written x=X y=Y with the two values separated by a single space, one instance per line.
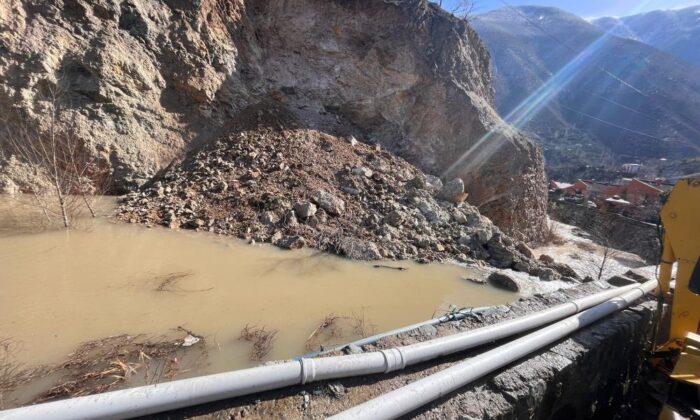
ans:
x=60 y=288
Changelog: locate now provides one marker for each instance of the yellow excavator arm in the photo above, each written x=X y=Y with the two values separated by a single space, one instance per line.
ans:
x=680 y=216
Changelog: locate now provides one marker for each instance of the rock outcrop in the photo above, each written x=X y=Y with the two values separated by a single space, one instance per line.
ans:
x=145 y=80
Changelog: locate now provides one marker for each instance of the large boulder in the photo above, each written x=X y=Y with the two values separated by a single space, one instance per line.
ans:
x=453 y=191
x=328 y=202
x=503 y=281
x=358 y=249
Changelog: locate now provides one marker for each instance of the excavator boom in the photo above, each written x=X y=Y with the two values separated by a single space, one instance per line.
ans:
x=680 y=216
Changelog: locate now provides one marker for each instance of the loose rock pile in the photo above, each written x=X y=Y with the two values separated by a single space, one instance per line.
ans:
x=301 y=187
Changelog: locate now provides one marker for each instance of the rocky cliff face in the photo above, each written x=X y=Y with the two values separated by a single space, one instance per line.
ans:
x=146 y=80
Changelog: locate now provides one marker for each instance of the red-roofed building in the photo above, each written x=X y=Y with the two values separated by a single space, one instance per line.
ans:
x=640 y=193
x=581 y=188
x=631 y=197
x=559 y=186
x=577 y=188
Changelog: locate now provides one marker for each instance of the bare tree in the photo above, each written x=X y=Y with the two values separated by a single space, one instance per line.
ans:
x=52 y=148
x=463 y=9
x=602 y=234
x=607 y=254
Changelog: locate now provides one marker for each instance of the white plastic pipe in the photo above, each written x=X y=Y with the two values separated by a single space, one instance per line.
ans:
x=172 y=395
x=421 y=392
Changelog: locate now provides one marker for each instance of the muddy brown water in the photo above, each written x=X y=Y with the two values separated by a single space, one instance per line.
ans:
x=60 y=288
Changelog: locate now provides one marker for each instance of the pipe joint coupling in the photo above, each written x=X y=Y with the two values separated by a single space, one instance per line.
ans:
x=308 y=370
x=578 y=307
x=393 y=360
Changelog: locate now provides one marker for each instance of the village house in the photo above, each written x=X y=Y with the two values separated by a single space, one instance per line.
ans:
x=556 y=186
x=631 y=168
x=631 y=197
x=640 y=193
x=577 y=188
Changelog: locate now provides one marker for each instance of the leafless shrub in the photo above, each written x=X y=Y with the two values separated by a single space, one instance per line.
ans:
x=301 y=264
x=51 y=148
x=328 y=327
x=602 y=263
x=261 y=338
x=338 y=326
x=604 y=253
x=361 y=325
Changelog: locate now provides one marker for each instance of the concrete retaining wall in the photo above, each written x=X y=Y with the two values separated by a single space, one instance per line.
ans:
x=624 y=233
x=593 y=374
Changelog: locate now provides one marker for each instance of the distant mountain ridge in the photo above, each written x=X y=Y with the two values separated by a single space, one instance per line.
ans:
x=674 y=31
x=622 y=101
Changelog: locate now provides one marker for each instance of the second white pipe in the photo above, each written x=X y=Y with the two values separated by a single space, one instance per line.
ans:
x=421 y=392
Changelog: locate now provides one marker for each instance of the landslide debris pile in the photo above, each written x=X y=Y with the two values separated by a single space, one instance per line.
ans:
x=298 y=187
x=146 y=80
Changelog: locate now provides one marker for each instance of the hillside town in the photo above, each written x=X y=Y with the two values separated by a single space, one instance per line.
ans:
x=637 y=198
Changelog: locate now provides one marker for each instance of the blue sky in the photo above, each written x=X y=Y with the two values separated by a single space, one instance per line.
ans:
x=586 y=8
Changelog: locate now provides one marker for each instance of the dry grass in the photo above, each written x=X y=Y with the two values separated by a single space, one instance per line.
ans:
x=333 y=327
x=169 y=283
x=261 y=338
x=328 y=327
x=552 y=235
x=101 y=365
x=13 y=373
x=586 y=246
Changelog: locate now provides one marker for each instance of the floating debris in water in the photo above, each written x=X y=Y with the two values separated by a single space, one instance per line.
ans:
x=190 y=340
x=389 y=267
